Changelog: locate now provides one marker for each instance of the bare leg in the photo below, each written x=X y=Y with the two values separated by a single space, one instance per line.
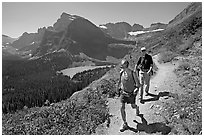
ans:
x=147 y=82
x=142 y=85
x=123 y=114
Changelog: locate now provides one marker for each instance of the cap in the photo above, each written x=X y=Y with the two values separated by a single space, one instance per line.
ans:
x=124 y=62
x=143 y=48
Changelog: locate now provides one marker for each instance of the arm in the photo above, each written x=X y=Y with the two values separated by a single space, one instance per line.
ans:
x=138 y=63
x=137 y=83
x=150 y=69
x=136 y=68
x=119 y=83
x=136 y=79
x=151 y=65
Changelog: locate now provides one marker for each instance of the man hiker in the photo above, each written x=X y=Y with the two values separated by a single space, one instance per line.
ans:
x=128 y=87
x=144 y=69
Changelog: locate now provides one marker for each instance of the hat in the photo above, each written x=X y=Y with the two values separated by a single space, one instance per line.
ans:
x=143 y=48
x=124 y=62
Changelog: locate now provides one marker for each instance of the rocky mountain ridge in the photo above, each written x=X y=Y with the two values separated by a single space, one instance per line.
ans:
x=75 y=40
x=121 y=30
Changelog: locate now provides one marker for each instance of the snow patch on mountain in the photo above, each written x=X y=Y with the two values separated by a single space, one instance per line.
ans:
x=141 y=32
x=103 y=27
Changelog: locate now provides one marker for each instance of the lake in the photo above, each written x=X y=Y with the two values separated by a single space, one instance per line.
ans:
x=72 y=71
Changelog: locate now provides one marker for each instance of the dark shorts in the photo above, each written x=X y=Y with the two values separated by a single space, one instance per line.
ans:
x=129 y=99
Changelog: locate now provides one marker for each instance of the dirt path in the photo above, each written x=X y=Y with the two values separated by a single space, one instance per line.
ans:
x=163 y=86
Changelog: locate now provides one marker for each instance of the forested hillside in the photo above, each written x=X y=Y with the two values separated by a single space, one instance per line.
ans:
x=31 y=83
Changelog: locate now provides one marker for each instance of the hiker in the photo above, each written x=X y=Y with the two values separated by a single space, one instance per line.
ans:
x=144 y=68
x=128 y=86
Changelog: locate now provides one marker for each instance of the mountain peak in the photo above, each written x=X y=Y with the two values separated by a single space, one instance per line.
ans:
x=64 y=14
x=64 y=20
x=137 y=27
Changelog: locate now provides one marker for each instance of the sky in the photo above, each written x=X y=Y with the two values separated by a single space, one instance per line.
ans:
x=20 y=17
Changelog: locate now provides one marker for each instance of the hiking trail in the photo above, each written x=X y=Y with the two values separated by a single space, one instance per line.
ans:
x=163 y=86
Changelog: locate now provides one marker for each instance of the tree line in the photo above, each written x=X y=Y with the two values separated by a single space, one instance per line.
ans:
x=23 y=85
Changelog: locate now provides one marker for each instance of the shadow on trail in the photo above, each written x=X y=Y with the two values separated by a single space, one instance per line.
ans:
x=156 y=97
x=150 y=128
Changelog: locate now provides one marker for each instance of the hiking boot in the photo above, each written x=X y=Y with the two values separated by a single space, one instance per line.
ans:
x=124 y=127
x=142 y=101
x=137 y=111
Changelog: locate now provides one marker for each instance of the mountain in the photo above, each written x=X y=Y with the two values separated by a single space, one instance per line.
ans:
x=75 y=40
x=121 y=30
x=118 y=30
x=6 y=40
x=62 y=35
x=63 y=22
x=28 y=39
x=70 y=33
x=9 y=52
x=31 y=41
x=137 y=27
x=155 y=26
